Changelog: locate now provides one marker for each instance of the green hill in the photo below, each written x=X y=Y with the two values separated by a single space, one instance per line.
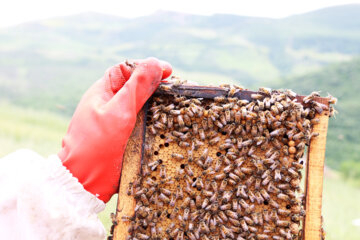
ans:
x=343 y=81
x=48 y=64
x=39 y=130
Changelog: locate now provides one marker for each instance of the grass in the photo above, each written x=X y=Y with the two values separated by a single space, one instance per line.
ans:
x=340 y=208
x=42 y=131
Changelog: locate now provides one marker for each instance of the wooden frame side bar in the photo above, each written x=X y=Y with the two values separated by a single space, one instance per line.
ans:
x=314 y=181
x=131 y=168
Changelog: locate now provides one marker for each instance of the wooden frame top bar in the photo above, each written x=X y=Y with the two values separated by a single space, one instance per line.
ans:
x=211 y=92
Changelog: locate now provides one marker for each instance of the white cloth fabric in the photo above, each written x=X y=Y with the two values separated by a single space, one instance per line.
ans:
x=40 y=199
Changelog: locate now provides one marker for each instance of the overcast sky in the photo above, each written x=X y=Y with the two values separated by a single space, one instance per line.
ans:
x=17 y=11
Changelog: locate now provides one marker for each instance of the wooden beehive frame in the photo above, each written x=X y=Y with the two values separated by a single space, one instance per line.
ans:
x=314 y=168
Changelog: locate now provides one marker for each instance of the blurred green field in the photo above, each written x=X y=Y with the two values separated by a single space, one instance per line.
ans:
x=42 y=131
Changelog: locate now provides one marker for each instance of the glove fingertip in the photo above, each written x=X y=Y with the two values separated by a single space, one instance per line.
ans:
x=166 y=68
x=126 y=71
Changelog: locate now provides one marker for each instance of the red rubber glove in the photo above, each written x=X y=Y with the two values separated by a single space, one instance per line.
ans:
x=93 y=147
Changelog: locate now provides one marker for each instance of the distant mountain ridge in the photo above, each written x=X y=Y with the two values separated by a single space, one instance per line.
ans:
x=50 y=63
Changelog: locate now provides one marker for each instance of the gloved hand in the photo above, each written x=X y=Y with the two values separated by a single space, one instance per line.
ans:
x=93 y=147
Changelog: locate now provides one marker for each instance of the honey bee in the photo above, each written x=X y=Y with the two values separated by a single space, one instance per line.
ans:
x=164 y=198
x=218 y=124
x=332 y=100
x=247 y=143
x=244 y=226
x=273 y=204
x=247 y=170
x=267 y=218
x=223 y=185
x=282 y=223
x=262 y=237
x=232 y=91
x=284 y=212
x=297 y=165
x=259 y=198
x=130 y=189
x=153 y=165
x=241 y=192
x=223 y=216
x=162 y=171
x=152 y=130
x=225 y=207
x=163 y=119
x=293 y=172
x=207 y=162
x=150 y=192
x=197 y=144
x=244 y=204
x=204 y=227
x=295 y=183
x=180 y=120
x=154 y=199
x=175 y=112
x=218 y=165
x=217 y=108
x=165 y=191
x=265 y=194
x=266 y=91
x=179 y=192
x=180 y=174
x=257 y=96
x=186 y=120
x=234 y=222
x=220 y=99
x=214 y=140
x=200 y=163
x=226 y=232
x=208 y=171
x=144 y=199
x=234 y=177
x=278 y=132
x=283 y=186
x=266 y=181
x=174 y=232
x=319 y=107
x=139 y=235
x=251 y=196
x=223 y=120
x=199 y=183
x=277 y=175
x=177 y=156
x=311 y=97
x=296 y=218
x=188 y=170
x=210 y=123
x=202 y=134
x=228 y=168
x=220 y=176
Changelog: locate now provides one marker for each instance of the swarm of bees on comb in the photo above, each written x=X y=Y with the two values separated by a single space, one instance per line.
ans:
x=223 y=168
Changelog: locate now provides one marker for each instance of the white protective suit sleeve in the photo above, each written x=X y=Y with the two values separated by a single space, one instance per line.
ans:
x=40 y=199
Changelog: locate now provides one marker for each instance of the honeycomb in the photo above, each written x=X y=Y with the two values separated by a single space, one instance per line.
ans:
x=223 y=168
